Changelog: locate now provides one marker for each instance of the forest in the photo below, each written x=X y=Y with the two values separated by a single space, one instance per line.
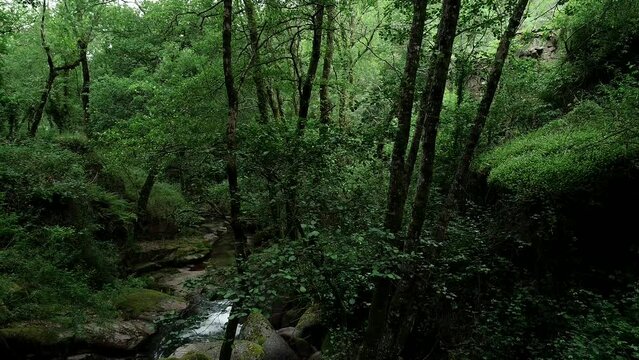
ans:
x=319 y=179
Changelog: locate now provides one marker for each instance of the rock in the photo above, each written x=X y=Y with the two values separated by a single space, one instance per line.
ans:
x=150 y=255
x=176 y=281
x=316 y=356
x=119 y=334
x=311 y=328
x=301 y=347
x=211 y=238
x=242 y=350
x=286 y=333
x=35 y=333
x=148 y=304
x=257 y=329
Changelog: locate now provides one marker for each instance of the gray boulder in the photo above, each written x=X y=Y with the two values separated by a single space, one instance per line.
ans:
x=257 y=329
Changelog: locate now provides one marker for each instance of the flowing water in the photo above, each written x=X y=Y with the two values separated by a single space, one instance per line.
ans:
x=206 y=324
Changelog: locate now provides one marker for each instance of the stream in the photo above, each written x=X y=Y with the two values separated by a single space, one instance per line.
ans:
x=206 y=320
x=205 y=325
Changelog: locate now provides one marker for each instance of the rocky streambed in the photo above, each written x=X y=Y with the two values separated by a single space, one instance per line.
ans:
x=171 y=320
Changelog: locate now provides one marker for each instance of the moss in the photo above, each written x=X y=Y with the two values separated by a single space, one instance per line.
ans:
x=312 y=316
x=256 y=328
x=40 y=334
x=135 y=302
x=253 y=352
x=569 y=152
x=195 y=356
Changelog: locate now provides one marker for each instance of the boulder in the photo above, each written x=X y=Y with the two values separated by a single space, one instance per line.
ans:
x=149 y=305
x=119 y=334
x=242 y=350
x=316 y=356
x=152 y=255
x=35 y=333
x=311 y=328
x=257 y=329
x=301 y=347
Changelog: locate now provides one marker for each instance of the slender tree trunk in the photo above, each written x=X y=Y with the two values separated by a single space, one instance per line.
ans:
x=325 y=101
x=86 y=84
x=395 y=208
x=258 y=78
x=307 y=87
x=53 y=73
x=436 y=85
x=273 y=103
x=44 y=98
x=480 y=120
x=401 y=308
x=377 y=317
x=292 y=182
x=143 y=201
x=231 y=171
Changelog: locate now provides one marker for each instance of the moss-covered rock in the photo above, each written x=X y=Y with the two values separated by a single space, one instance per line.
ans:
x=148 y=304
x=258 y=329
x=36 y=333
x=242 y=350
x=310 y=327
x=119 y=334
x=150 y=255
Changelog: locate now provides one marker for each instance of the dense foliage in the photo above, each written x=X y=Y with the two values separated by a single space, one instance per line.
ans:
x=116 y=131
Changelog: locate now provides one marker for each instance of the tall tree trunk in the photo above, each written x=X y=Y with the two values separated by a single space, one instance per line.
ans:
x=403 y=302
x=143 y=201
x=231 y=170
x=377 y=317
x=480 y=120
x=44 y=98
x=347 y=42
x=307 y=87
x=292 y=220
x=86 y=84
x=325 y=101
x=53 y=73
x=273 y=103
x=258 y=78
x=436 y=85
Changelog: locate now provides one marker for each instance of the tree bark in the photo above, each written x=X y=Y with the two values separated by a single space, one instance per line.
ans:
x=53 y=73
x=307 y=87
x=258 y=78
x=143 y=201
x=325 y=101
x=434 y=92
x=480 y=120
x=231 y=170
x=292 y=182
x=86 y=84
x=395 y=208
x=378 y=313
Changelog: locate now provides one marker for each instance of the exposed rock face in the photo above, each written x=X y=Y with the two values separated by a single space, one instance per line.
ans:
x=242 y=350
x=257 y=329
x=541 y=48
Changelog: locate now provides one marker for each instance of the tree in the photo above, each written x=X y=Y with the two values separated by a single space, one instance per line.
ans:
x=480 y=119
x=54 y=71
x=231 y=169
x=378 y=316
